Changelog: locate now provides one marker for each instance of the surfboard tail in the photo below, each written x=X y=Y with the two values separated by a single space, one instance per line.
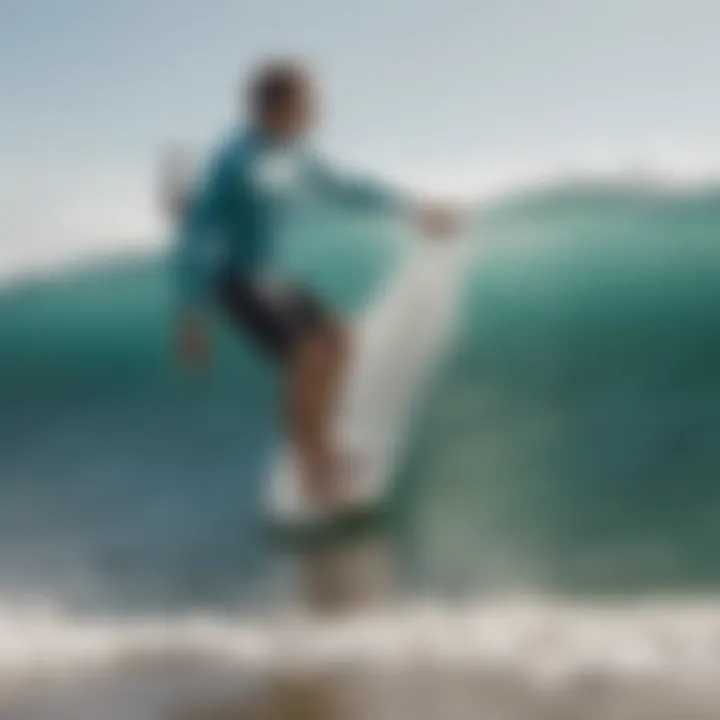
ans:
x=399 y=342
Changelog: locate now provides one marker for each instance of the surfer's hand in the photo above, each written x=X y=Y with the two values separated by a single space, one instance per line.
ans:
x=437 y=221
x=191 y=342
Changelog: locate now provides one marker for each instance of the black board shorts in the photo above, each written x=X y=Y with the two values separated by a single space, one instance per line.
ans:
x=274 y=313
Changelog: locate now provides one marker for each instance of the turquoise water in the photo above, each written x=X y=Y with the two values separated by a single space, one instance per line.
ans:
x=571 y=444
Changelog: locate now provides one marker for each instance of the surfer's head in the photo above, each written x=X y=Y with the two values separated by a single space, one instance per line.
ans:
x=282 y=99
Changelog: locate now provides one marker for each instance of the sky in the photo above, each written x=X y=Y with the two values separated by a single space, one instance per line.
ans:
x=451 y=96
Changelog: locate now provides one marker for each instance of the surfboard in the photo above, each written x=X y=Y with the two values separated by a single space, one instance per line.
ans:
x=398 y=343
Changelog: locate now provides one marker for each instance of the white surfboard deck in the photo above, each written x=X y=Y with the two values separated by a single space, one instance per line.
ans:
x=398 y=343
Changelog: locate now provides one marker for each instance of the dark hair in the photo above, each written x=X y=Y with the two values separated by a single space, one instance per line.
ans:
x=274 y=84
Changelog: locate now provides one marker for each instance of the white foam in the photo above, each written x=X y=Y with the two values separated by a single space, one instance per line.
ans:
x=548 y=642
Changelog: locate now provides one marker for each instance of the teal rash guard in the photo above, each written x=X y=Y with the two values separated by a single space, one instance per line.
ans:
x=234 y=216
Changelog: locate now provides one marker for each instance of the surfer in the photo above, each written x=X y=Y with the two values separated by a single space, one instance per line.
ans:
x=224 y=256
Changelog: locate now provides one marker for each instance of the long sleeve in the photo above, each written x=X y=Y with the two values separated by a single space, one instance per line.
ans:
x=200 y=236
x=353 y=193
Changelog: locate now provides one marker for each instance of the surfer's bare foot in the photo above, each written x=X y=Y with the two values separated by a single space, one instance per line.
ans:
x=331 y=481
x=319 y=479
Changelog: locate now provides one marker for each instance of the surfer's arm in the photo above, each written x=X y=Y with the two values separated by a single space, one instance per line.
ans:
x=198 y=244
x=198 y=240
x=354 y=193
x=434 y=219
x=191 y=342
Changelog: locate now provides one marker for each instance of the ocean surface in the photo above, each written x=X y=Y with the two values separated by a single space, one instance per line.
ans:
x=569 y=449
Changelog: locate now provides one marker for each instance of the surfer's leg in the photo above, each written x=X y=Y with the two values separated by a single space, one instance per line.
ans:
x=315 y=373
x=295 y=328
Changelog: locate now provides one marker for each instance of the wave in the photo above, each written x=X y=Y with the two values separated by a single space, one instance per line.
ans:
x=46 y=255
x=570 y=445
